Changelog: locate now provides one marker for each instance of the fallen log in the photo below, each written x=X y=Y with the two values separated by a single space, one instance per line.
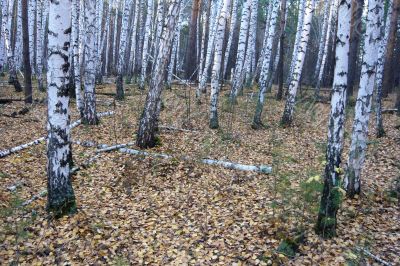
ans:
x=37 y=196
x=7 y=152
x=366 y=252
x=225 y=164
x=115 y=147
x=389 y=111
x=176 y=129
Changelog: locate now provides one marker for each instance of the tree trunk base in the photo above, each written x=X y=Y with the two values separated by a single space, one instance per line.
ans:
x=120 y=88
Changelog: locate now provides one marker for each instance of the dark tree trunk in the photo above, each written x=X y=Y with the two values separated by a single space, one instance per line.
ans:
x=355 y=38
x=191 y=51
x=388 y=70
x=25 y=44
x=279 y=95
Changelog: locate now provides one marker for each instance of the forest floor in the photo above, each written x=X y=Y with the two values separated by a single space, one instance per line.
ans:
x=143 y=210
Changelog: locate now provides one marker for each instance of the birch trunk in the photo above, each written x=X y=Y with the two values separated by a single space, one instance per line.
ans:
x=326 y=224
x=122 y=50
x=264 y=46
x=325 y=50
x=61 y=198
x=175 y=51
x=18 y=37
x=265 y=74
x=6 y=27
x=299 y=30
x=210 y=49
x=216 y=70
x=39 y=44
x=324 y=32
x=380 y=131
x=89 y=107
x=251 y=44
x=147 y=35
x=31 y=14
x=232 y=28
x=238 y=75
x=75 y=11
x=149 y=120
x=133 y=54
x=298 y=67
x=352 y=181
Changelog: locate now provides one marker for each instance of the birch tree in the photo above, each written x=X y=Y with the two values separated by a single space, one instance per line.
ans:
x=352 y=181
x=122 y=49
x=61 y=198
x=216 y=70
x=31 y=15
x=251 y=43
x=232 y=28
x=147 y=34
x=39 y=44
x=298 y=67
x=330 y=200
x=210 y=49
x=149 y=120
x=238 y=76
x=6 y=27
x=265 y=75
x=75 y=11
x=380 y=131
x=299 y=30
x=89 y=107
x=324 y=34
x=321 y=66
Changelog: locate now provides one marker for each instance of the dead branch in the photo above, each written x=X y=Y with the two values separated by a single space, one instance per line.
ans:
x=229 y=165
x=366 y=252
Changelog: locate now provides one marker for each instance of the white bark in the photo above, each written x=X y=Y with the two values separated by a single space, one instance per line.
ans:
x=232 y=28
x=18 y=37
x=149 y=119
x=89 y=108
x=238 y=75
x=298 y=67
x=325 y=49
x=251 y=43
x=265 y=40
x=364 y=99
x=300 y=24
x=265 y=74
x=6 y=152
x=216 y=69
x=31 y=26
x=379 y=70
x=146 y=43
x=210 y=48
x=264 y=169
x=136 y=21
x=58 y=143
x=75 y=11
x=175 y=51
x=39 y=43
x=6 y=27
x=323 y=35
x=329 y=201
